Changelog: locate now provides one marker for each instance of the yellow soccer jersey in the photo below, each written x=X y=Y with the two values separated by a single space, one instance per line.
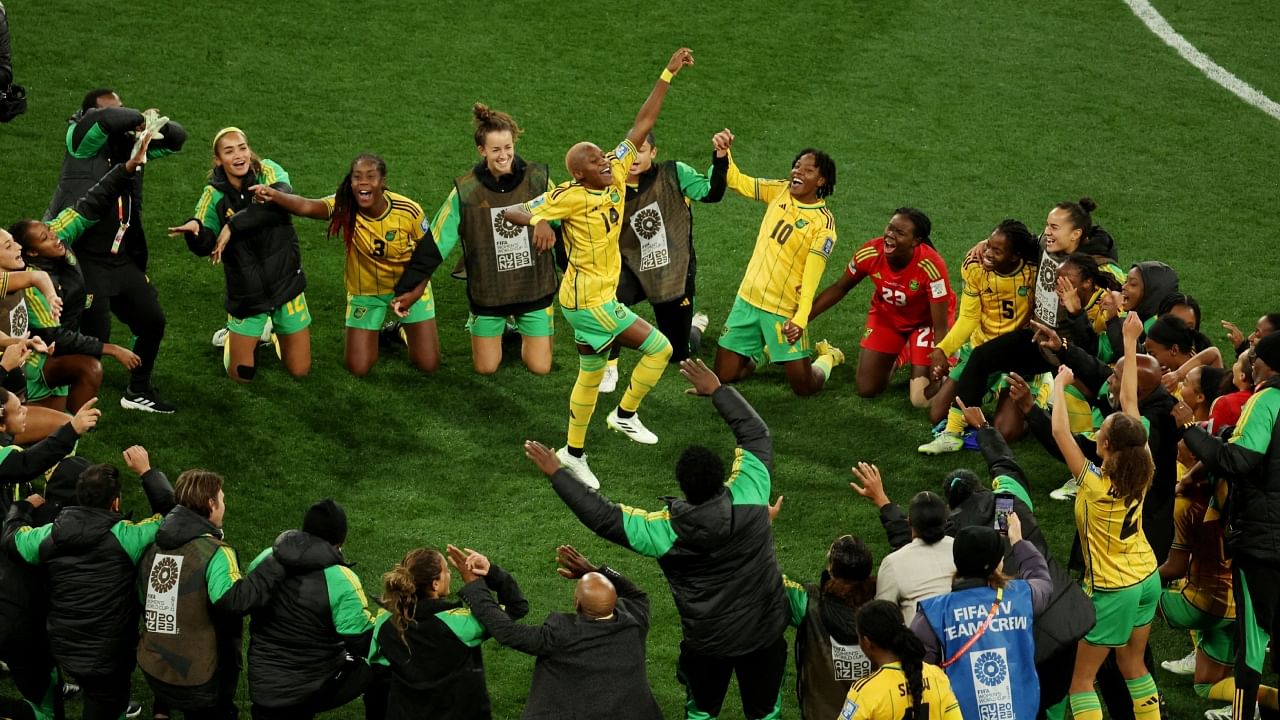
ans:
x=381 y=247
x=1004 y=301
x=883 y=696
x=790 y=234
x=1116 y=552
x=591 y=221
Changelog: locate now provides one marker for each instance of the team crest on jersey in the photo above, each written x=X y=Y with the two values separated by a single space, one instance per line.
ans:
x=1022 y=291
x=390 y=236
x=614 y=198
x=914 y=285
x=359 y=312
x=801 y=223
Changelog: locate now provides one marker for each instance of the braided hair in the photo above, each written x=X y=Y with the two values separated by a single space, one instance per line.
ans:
x=880 y=621
x=343 y=219
x=1092 y=271
x=921 y=222
x=1022 y=241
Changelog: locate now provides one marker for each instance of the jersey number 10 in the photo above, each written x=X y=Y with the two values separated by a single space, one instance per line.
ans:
x=781 y=232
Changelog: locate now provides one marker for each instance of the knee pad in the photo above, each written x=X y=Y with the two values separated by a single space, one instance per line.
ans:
x=918 y=386
x=246 y=372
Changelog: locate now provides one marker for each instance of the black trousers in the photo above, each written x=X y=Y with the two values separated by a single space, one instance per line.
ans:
x=760 y=673
x=674 y=317
x=125 y=291
x=1013 y=352
x=346 y=685
x=105 y=697
x=32 y=669
x=1257 y=595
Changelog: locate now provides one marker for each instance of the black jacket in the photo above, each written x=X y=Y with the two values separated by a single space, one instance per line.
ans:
x=586 y=668
x=294 y=646
x=262 y=260
x=6 y=55
x=437 y=670
x=1253 y=516
x=93 y=611
x=21 y=466
x=718 y=556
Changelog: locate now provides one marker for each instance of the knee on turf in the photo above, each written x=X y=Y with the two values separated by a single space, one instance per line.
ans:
x=917 y=392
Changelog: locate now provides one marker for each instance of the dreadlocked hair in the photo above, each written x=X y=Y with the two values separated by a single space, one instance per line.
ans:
x=343 y=219
x=1081 y=213
x=1024 y=243
x=407 y=583
x=1171 y=330
x=921 y=222
x=489 y=120
x=1128 y=465
x=881 y=622
x=849 y=581
x=1091 y=270
x=826 y=168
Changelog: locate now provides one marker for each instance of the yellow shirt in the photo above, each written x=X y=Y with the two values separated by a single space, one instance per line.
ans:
x=883 y=696
x=591 y=221
x=381 y=247
x=1116 y=552
x=992 y=304
x=790 y=236
x=1209 y=580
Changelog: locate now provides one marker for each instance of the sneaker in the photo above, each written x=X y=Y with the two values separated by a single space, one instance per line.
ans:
x=69 y=688
x=632 y=428
x=700 y=321
x=578 y=466
x=822 y=347
x=1224 y=713
x=388 y=335
x=945 y=442
x=1182 y=666
x=609 y=382
x=1068 y=492
x=145 y=400
x=133 y=710
x=220 y=337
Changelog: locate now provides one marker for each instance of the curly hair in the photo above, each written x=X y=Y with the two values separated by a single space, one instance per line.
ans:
x=1128 y=465
x=407 y=583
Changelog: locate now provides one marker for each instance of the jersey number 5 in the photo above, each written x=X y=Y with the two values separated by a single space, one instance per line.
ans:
x=1006 y=309
x=781 y=232
x=894 y=297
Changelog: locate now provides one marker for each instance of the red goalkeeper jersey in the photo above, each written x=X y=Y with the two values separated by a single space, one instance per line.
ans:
x=902 y=297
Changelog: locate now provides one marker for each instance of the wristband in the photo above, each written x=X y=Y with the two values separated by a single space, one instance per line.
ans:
x=666 y=76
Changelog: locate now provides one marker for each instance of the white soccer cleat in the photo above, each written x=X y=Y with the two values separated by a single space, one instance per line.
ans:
x=1224 y=713
x=700 y=321
x=268 y=331
x=632 y=428
x=609 y=382
x=1182 y=666
x=1068 y=492
x=220 y=338
x=578 y=467
x=945 y=442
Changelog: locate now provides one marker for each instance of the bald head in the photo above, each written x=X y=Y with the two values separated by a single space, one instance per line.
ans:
x=595 y=596
x=1149 y=376
x=579 y=156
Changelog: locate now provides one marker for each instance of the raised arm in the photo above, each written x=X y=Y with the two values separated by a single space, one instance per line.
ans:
x=1061 y=424
x=292 y=204
x=1129 y=378
x=648 y=115
x=536 y=641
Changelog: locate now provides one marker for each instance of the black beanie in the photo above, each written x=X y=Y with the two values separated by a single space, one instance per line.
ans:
x=327 y=521
x=977 y=551
x=1268 y=350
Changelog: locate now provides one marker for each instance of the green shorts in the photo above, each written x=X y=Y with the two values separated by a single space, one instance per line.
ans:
x=535 y=323
x=749 y=330
x=369 y=312
x=1120 y=611
x=37 y=388
x=1216 y=636
x=287 y=319
x=598 y=326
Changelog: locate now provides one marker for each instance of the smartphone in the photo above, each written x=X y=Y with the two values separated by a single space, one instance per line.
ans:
x=1004 y=508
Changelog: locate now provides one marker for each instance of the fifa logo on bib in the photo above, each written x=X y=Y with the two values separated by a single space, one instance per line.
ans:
x=991 y=684
x=649 y=227
x=162 y=595
x=511 y=241
x=18 y=319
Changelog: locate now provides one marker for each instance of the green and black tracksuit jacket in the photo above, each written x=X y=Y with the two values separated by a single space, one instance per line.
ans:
x=436 y=667
x=315 y=619
x=1250 y=461
x=96 y=140
x=262 y=260
x=19 y=466
x=718 y=556
x=91 y=555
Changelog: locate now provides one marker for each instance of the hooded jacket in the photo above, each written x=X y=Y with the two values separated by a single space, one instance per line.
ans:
x=91 y=555
x=315 y=622
x=262 y=260
x=718 y=556
x=828 y=657
x=19 y=466
x=1159 y=281
x=1250 y=461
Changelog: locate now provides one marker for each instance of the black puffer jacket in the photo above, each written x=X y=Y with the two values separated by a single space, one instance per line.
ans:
x=263 y=261
x=93 y=611
x=293 y=644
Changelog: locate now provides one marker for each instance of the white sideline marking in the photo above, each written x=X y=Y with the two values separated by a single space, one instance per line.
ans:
x=1156 y=23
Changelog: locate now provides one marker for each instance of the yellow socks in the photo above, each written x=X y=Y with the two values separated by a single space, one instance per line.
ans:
x=582 y=401
x=1086 y=706
x=1146 y=700
x=657 y=350
x=955 y=421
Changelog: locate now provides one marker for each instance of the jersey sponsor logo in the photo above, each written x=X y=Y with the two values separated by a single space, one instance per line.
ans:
x=162 y=595
x=511 y=241
x=652 y=231
x=827 y=244
x=938 y=289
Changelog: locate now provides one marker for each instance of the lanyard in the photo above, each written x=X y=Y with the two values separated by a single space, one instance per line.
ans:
x=991 y=614
x=124 y=224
